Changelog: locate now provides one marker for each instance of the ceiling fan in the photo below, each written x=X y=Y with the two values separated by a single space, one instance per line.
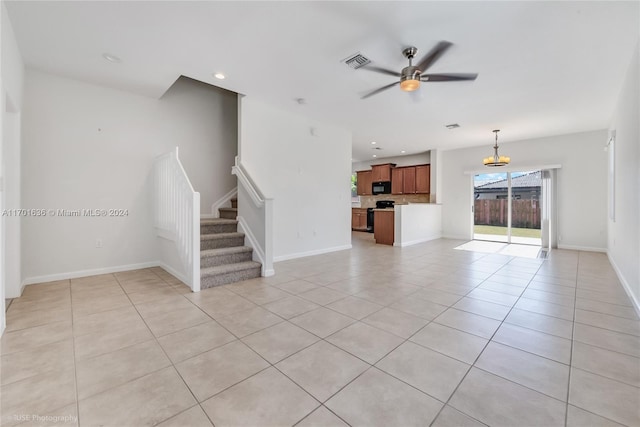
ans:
x=412 y=75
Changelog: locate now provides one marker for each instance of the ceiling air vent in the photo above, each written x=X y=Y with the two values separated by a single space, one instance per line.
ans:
x=452 y=126
x=356 y=61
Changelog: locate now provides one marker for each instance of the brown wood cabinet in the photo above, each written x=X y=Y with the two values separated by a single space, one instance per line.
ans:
x=364 y=183
x=409 y=182
x=403 y=180
x=397 y=179
x=381 y=172
x=423 y=179
x=359 y=219
x=383 y=230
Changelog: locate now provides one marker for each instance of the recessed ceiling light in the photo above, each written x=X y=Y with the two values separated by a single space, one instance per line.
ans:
x=375 y=155
x=403 y=151
x=373 y=143
x=111 y=58
x=219 y=76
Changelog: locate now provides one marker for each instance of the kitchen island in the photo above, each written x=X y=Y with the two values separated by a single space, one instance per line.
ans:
x=384 y=226
x=417 y=223
x=406 y=225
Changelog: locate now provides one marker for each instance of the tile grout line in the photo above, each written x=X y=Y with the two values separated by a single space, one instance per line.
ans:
x=361 y=321
x=238 y=339
x=486 y=345
x=75 y=366
x=161 y=348
x=173 y=364
x=171 y=360
x=573 y=328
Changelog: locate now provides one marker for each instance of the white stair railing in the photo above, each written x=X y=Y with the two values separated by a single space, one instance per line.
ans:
x=255 y=218
x=177 y=213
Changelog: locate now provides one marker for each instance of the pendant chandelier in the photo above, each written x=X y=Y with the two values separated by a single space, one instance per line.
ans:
x=496 y=159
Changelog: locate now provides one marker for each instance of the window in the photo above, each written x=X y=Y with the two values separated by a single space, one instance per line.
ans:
x=354 y=188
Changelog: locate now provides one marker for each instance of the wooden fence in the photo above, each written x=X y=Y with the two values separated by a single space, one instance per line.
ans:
x=524 y=213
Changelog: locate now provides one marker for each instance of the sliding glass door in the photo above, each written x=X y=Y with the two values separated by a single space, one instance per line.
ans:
x=507 y=207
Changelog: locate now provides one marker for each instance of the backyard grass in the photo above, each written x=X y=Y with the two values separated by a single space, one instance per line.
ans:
x=502 y=231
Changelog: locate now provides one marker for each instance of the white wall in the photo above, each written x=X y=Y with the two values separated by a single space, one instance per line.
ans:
x=306 y=175
x=416 y=223
x=581 y=184
x=86 y=146
x=12 y=75
x=624 y=233
x=205 y=126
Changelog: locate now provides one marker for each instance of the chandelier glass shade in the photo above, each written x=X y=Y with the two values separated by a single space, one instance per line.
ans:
x=496 y=159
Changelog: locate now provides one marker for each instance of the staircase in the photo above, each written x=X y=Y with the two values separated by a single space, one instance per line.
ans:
x=223 y=257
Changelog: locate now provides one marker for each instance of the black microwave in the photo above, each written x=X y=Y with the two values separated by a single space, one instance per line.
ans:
x=383 y=187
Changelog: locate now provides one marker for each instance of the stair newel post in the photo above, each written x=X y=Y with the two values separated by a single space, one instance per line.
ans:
x=195 y=243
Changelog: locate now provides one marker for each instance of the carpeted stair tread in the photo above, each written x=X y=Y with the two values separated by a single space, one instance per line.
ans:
x=225 y=251
x=220 y=236
x=229 y=268
x=208 y=221
x=231 y=213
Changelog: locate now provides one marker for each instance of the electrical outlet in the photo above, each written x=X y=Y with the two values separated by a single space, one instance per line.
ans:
x=98 y=243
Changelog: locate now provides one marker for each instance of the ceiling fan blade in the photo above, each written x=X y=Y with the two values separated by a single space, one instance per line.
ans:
x=433 y=56
x=377 y=91
x=381 y=70
x=447 y=77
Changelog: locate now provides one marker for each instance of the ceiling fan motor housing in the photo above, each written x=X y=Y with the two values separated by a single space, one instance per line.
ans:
x=410 y=78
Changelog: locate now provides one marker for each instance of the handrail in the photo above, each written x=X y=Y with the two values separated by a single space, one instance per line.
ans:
x=177 y=213
x=256 y=221
x=245 y=179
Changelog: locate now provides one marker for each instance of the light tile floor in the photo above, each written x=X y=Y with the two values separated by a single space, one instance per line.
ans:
x=376 y=336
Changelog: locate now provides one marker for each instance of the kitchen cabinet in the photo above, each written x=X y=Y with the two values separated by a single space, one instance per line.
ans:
x=397 y=175
x=423 y=179
x=409 y=181
x=383 y=229
x=359 y=219
x=381 y=172
x=364 y=183
x=403 y=180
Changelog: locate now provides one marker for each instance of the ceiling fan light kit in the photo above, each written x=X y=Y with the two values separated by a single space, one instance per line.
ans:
x=496 y=159
x=412 y=75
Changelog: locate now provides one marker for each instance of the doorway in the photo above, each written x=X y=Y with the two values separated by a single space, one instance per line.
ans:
x=507 y=207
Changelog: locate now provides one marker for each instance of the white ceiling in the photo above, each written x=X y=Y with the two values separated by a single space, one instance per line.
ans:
x=545 y=68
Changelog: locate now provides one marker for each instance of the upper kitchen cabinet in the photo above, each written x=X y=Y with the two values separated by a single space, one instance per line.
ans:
x=423 y=179
x=363 y=185
x=403 y=180
x=397 y=178
x=381 y=172
x=409 y=182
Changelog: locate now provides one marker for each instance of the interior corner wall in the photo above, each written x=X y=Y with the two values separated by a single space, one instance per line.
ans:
x=305 y=166
x=11 y=100
x=91 y=147
x=624 y=232
x=581 y=185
